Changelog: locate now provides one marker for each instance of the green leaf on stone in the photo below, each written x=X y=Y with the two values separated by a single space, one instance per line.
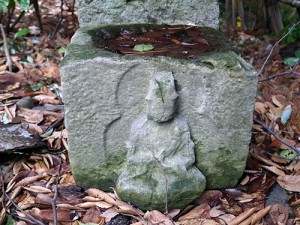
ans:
x=288 y=154
x=286 y=114
x=297 y=54
x=22 y=33
x=24 y=4
x=291 y=61
x=143 y=47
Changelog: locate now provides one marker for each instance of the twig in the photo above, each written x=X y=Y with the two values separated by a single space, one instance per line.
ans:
x=270 y=131
x=272 y=49
x=38 y=14
x=30 y=218
x=290 y=72
x=61 y=19
x=8 y=59
x=53 y=200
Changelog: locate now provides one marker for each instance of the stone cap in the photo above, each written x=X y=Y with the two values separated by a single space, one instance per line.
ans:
x=194 y=12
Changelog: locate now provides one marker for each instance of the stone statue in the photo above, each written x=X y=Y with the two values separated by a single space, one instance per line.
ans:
x=159 y=171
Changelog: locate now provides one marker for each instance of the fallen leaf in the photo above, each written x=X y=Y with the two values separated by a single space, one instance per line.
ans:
x=260 y=214
x=156 y=217
x=276 y=102
x=31 y=116
x=277 y=215
x=215 y=212
x=289 y=182
x=240 y=218
x=274 y=170
x=260 y=107
x=201 y=211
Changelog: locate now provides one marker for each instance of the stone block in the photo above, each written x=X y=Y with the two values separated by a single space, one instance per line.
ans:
x=196 y=12
x=104 y=94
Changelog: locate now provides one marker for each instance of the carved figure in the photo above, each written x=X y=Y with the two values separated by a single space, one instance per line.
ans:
x=159 y=171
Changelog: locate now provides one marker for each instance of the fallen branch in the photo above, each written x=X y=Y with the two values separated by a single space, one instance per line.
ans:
x=290 y=72
x=60 y=20
x=6 y=49
x=270 y=131
x=30 y=219
x=53 y=200
x=272 y=49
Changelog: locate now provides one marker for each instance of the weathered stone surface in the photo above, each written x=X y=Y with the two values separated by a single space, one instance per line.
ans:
x=197 y=12
x=159 y=171
x=104 y=93
x=14 y=137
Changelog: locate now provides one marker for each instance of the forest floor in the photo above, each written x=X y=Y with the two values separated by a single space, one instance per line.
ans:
x=37 y=186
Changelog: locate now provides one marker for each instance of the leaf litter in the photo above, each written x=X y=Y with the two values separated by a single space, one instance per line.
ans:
x=29 y=181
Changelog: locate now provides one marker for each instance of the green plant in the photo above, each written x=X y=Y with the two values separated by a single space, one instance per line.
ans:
x=292 y=61
x=7 y=8
x=293 y=36
x=11 y=4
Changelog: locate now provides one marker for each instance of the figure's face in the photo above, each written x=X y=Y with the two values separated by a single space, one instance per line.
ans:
x=161 y=98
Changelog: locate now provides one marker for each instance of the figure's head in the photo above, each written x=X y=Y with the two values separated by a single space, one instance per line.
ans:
x=161 y=97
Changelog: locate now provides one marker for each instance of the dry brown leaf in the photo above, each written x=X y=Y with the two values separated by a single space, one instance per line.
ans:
x=215 y=212
x=289 y=141
x=21 y=223
x=2 y=215
x=201 y=211
x=172 y=213
x=294 y=166
x=31 y=116
x=93 y=215
x=273 y=110
x=6 y=96
x=276 y=102
x=274 y=170
x=266 y=161
x=109 y=213
x=91 y=199
x=50 y=69
x=257 y=127
x=37 y=189
x=243 y=216
x=156 y=217
x=260 y=107
x=247 y=221
x=86 y=205
x=226 y=218
x=35 y=129
x=295 y=203
x=63 y=215
x=29 y=180
x=27 y=201
x=245 y=180
x=46 y=99
x=290 y=182
x=106 y=197
x=260 y=214
x=210 y=197
x=277 y=215
x=68 y=206
x=3 y=67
